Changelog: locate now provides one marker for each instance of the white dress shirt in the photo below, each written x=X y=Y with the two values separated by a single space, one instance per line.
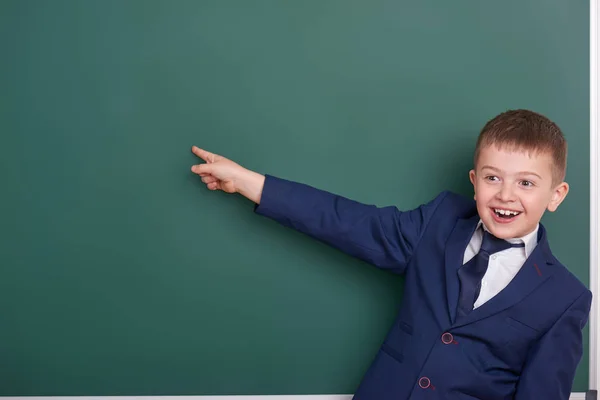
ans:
x=503 y=265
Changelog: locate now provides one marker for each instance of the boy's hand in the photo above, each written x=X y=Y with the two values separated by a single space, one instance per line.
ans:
x=220 y=173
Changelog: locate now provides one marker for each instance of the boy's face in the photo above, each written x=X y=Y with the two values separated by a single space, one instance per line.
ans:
x=513 y=189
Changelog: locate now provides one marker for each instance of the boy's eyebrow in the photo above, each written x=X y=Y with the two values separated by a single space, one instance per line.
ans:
x=490 y=167
x=530 y=173
x=520 y=173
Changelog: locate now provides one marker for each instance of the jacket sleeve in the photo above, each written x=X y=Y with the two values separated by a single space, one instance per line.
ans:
x=551 y=365
x=382 y=236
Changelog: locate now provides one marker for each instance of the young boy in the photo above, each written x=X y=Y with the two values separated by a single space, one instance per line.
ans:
x=488 y=311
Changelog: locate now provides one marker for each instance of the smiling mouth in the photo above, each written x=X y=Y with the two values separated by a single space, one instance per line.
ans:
x=505 y=215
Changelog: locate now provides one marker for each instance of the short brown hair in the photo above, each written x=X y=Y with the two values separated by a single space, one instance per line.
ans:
x=529 y=131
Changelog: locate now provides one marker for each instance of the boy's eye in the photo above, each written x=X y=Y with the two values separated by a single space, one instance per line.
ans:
x=491 y=178
x=527 y=183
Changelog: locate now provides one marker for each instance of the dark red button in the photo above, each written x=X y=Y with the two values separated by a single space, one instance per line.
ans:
x=447 y=338
x=424 y=382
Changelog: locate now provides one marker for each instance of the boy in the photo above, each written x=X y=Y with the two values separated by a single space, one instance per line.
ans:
x=488 y=311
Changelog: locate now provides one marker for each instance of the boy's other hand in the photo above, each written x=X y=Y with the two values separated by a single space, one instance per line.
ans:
x=220 y=173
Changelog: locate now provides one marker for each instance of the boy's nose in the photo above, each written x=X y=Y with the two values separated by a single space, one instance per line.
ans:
x=506 y=193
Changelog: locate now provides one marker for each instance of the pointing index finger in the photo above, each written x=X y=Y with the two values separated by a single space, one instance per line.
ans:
x=203 y=154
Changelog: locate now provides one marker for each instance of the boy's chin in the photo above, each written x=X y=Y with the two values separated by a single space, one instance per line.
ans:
x=506 y=231
x=503 y=233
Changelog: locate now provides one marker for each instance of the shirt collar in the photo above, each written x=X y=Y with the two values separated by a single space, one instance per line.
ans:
x=530 y=239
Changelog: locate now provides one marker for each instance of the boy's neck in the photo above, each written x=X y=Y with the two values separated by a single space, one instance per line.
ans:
x=530 y=239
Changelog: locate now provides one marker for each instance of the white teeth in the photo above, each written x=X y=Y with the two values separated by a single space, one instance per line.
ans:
x=506 y=212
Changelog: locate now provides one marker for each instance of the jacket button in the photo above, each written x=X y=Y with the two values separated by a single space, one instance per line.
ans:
x=447 y=338
x=424 y=382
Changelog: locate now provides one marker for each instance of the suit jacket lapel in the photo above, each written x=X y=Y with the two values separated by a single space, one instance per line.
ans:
x=532 y=274
x=455 y=252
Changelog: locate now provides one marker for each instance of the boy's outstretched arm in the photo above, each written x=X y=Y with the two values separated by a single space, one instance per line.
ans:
x=551 y=365
x=385 y=237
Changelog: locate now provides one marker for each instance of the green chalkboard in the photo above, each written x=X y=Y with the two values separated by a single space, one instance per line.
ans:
x=121 y=274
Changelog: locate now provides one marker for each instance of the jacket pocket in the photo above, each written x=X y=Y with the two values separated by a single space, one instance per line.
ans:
x=502 y=346
x=392 y=353
x=398 y=340
x=521 y=340
x=521 y=327
x=455 y=395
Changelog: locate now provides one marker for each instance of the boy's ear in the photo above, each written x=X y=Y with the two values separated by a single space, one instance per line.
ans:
x=558 y=195
x=473 y=178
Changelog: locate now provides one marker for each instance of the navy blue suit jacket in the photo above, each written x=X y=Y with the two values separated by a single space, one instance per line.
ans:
x=524 y=343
